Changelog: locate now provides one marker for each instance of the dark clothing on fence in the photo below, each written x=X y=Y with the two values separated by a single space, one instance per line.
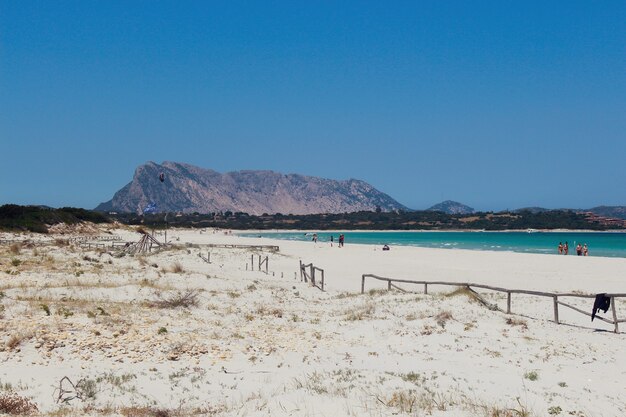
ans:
x=602 y=303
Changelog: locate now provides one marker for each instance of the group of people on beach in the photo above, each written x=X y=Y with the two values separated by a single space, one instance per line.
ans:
x=581 y=250
x=332 y=239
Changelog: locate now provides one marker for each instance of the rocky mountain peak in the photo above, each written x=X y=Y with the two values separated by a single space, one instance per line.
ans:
x=188 y=188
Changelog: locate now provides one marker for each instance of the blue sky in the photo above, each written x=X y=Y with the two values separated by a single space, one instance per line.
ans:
x=495 y=104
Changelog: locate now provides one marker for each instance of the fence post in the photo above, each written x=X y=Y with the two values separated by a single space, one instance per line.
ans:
x=363 y=284
x=556 y=309
x=425 y=288
x=300 y=270
x=312 y=274
x=614 y=314
x=252 y=262
x=322 y=280
x=508 y=302
x=266 y=264
x=388 y=285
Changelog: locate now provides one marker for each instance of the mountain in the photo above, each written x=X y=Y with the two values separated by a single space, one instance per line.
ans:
x=451 y=207
x=616 y=212
x=187 y=188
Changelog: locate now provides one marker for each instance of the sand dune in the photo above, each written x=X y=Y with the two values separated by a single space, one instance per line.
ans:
x=250 y=343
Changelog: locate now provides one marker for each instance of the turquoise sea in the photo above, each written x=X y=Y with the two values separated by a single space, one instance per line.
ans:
x=612 y=244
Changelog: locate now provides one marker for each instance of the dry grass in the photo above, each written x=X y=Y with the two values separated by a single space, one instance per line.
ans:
x=512 y=321
x=442 y=318
x=15 y=248
x=361 y=312
x=177 y=268
x=186 y=299
x=16 y=405
x=460 y=291
x=14 y=341
x=263 y=311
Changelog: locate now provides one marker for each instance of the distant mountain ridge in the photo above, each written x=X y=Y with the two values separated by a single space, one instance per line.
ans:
x=451 y=207
x=617 y=212
x=187 y=188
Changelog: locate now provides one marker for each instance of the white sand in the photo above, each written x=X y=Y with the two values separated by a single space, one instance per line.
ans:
x=260 y=344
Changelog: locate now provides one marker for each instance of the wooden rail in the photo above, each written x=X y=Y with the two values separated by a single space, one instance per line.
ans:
x=311 y=276
x=271 y=248
x=469 y=285
x=98 y=238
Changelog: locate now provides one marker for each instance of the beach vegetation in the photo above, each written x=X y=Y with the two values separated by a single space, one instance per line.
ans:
x=442 y=318
x=64 y=311
x=562 y=384
x=413 y=377
x=555 y=410
x=313 y=383
x=177 y=268
x=512 y=321
x=46 y=309
x=162 y=330
x=361 y=312
x=15 y=248
x=16 y=405
x=346 y=295
x=531 y=375
x=377 y=291
x=14 y=341
x=184 y=299
x=410 y=401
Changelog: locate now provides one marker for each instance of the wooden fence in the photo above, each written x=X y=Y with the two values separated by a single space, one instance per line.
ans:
x=96 y=238
x=206 y=259
x=555 y=296
x=306 y=277
x=115 y=244
x=262 y=261
x=270 y=248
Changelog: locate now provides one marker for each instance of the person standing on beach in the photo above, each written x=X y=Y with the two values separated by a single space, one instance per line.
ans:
x=579 y=250
x=565 y=249
x=331 y=240
x=341 y=238
x=585 y=250
x=560 y=248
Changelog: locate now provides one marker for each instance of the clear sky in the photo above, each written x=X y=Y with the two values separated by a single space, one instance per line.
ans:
x=500 y=104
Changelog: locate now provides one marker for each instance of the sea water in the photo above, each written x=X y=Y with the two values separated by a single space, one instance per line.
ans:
x=612 y=244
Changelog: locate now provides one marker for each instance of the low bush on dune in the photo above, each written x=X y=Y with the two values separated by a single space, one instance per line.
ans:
x=184 y=299
x=16 y=405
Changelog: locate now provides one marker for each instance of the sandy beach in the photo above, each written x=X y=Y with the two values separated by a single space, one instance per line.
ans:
x=168 y=333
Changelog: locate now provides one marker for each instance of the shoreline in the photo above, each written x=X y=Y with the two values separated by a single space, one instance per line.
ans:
x=239 y=231
x=497 y=247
